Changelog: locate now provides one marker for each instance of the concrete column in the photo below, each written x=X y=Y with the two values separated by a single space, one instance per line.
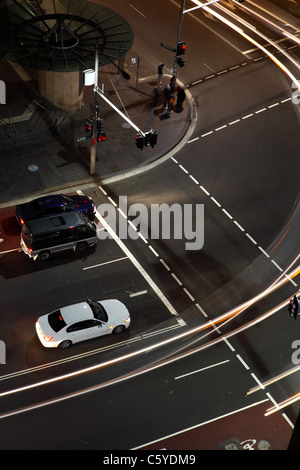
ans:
x=64 y=90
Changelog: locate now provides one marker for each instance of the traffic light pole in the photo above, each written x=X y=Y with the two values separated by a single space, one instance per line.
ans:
x=94 y=140
x=178 y=40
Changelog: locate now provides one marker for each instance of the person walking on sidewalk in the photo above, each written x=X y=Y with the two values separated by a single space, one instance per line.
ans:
x=160 y=70
x=167 y=95
x=180 y=99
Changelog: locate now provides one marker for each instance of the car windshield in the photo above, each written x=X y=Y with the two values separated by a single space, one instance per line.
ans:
x=98 y=311
x=56 y=321
x=69 y=202
x=32 y=207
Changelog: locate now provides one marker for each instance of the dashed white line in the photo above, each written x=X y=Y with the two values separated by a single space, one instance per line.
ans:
x=183 y=169
x=207 y=133
x=264 y=252
x=176 y=279
x=165 y=265
x=194 y=179
x=257 y=381
x=215 y=201
x=204 y=190
x=221 y=128
x=273 y=105
x=189 y=294
x=250 y=238
x=260 y=110
x=239 y=226
x=227 y=213
x=243 y=362
x=248 y=116
x=277 y=266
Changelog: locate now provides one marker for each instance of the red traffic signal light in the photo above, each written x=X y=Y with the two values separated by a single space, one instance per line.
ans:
x=89 y=125
x=139 y=141
x=101 y=137
x=181 y=48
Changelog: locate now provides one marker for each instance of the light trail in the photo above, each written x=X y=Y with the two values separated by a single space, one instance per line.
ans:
x=283 y=404
x=290 y=36
x=226 y=316
x=251 y=40
x=129 y=375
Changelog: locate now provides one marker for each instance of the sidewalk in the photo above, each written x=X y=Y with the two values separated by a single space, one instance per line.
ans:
x=38 y=143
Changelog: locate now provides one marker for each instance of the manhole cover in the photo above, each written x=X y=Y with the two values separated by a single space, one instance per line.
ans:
x=33 y=168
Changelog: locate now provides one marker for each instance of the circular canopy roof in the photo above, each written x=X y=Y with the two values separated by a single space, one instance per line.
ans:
x=61 y=37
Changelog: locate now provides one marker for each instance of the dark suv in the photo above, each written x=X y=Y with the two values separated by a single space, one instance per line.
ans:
x=54 y=204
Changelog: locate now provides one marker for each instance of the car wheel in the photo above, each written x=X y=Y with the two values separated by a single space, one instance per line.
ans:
x=80 y=247
x=65 y=344
x=44 y=255
x=119 y=329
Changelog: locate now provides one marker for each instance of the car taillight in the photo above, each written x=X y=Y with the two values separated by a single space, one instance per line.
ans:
x=47 y=338
x=22 y=221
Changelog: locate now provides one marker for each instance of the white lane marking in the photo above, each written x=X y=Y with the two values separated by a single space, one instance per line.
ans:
x=103 y=264
x=230 y=217
x=9 y=251
x=196 y=426
x=135 y=294
x=243 y=362
x=225 y=126
x=201 y=370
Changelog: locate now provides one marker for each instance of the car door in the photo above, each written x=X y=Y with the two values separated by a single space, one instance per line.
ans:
x=78 y=331
x=97 y=328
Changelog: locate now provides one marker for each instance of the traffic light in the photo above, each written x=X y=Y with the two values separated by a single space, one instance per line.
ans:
x=152 y=138
x=139 y=141
x=181 y=47
x=180 y=62
x=89 y=126
x=294 y=307
x=101 y=135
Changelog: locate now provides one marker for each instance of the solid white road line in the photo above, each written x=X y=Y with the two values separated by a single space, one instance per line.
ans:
x=201 y=370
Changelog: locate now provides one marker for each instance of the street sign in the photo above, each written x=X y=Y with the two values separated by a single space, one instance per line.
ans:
x=168 y=47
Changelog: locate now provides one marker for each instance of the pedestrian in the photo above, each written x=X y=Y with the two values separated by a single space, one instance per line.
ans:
x=170 y=104
x=160 y=72
x=180 y=99
x=167 y=95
